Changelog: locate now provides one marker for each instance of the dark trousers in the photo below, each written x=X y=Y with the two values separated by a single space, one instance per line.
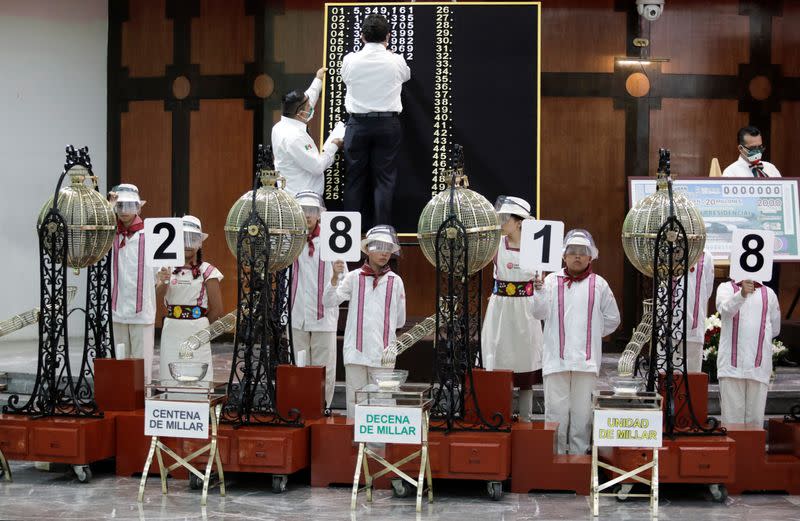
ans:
x=370 y=149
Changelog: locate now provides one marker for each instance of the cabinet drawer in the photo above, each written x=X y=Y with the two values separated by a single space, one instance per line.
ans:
x=223 y=447
x=704 y=462
x=55 y=442
x=476 y=458
x=14 y=440
x=266 y=452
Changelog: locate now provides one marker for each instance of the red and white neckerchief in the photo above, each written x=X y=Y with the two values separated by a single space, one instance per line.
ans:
x=127 y=232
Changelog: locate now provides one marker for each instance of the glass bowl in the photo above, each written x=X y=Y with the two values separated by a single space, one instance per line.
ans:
x=188 y=372
x=627 y=385
x=388 y=378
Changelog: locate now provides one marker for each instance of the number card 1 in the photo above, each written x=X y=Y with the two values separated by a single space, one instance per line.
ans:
x=163 y=241
x=752 y=252
x=340 y=236
x=540 y=246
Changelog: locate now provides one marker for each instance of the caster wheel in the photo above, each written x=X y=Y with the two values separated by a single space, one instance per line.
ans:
x=718 y=493
x=400 y=488
x=279 y=483
x=495 y=489
x=195 y=483
x=83 y=473
x=623 y=490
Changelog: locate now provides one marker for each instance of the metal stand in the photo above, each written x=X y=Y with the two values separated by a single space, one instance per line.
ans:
x=374 y=397
x=158 y=448
x=641 y=402
x=4 y=467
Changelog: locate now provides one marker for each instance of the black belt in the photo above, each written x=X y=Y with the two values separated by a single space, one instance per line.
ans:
x=375 y=115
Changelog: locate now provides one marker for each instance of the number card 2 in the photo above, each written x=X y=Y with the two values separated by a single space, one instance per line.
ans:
x=340 y=236
x=163 y=241
x=752 y=253
x=540 y=246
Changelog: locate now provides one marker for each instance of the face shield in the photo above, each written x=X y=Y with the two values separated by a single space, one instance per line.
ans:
x=192 y=240
x=580 y=238
x=578 y=249
x=381 y=238
x=380 y=247
x=507 y=205
x=312 y=212
x=127 y=207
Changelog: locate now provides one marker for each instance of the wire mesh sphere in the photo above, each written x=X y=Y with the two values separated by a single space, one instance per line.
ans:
x=90 y=220
x=644 y=220
x=283 y=216
x=476 y=214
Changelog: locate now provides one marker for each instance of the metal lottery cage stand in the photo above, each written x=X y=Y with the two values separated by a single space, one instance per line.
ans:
x=640 y=401
x=212 y=393
x=411 y=396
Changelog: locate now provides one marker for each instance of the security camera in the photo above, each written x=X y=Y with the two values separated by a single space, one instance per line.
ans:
x=650 y=9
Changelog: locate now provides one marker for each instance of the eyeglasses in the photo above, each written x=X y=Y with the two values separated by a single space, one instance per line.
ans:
x=755 y=148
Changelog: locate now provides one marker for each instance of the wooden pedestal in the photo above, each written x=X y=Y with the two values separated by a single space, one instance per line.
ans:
x=495 y=394
x=536 y=466
x=333 y=452
x=74 y=441
x=698 y=391
x=119 y=384
x=301 y=388
x=757 y=470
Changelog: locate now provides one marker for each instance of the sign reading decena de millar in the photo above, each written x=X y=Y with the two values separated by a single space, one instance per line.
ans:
x=388 y=424
x=176 y=419
x=625 y=428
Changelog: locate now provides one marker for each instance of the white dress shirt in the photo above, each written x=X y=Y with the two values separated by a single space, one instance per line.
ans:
x=741 y=168
x=374 y=77
x=297 y=157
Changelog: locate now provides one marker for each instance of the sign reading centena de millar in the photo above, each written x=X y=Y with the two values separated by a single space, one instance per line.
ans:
x=176 y=419
x=623 y=428
x=388 y=424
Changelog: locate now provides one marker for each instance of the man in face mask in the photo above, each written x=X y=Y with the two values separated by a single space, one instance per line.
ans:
x=296 y=155
x=751 y=150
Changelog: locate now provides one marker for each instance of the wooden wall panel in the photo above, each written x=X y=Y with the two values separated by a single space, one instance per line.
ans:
x=298 y=39
x=146 y=155
x=146 y=39
x=222 y=37
x=571 y=40
x=701 y=37
x=786 y=39
x=583 y=175
x=221 y=170
x=696 y=131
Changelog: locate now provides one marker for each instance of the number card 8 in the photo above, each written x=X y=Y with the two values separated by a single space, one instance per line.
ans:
x=340 y=236
x=752 y=253
x=540 y=245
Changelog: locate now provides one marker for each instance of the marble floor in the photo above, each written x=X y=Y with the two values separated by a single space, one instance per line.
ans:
x=42 y=496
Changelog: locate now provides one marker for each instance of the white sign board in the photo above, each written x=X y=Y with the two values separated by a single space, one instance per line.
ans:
x=176 y=419
x=388 y=424
x=540 y=245
x=340 y=236
x=752 y=252
x=163 y=241
x=624 y=428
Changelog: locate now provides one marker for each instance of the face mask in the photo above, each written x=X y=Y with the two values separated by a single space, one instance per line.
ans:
x=310 y=115
x=753 y=155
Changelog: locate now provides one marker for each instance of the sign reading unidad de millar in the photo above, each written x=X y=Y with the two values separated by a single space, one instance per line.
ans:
x=176 y=419
x=388 y=424
x=623 y=428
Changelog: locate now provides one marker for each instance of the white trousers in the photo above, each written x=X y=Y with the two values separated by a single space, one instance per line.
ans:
x=139 y=340
x=320 y=347
x=568 y=401
x=356 y=377
x=743 y=401
x=525 y=405
x=694 y=357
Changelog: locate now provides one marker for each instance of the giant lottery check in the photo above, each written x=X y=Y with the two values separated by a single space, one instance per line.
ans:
x=728 y=203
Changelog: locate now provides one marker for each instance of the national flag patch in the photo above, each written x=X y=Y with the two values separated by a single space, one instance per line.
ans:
x=308 y=147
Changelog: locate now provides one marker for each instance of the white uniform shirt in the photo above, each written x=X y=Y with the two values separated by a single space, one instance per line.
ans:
x=374 y=77
x=296 y=155
x=701 y=285
x=185 y=290
x=373 y=316
x=741 y=168
x=310 y=278
x=576 y=320
x=748 y=327
x=133 y=290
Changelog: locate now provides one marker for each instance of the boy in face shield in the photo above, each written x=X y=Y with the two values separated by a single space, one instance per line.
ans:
x=579 y=309
x=511 y=337
x=132 y=282
x=377 y=307
x=314 y=324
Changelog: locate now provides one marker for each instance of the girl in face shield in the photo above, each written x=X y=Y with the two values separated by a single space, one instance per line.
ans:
x=193 y=299
x=133 y=285
x=511 y=337
x=314 y=324
x=579 y=309
x=377 y=307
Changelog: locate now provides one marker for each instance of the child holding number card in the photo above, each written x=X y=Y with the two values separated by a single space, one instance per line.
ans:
x=512 y=337
x=751 y=318
x=313 y=323
x=579 y=309
x=133 y=292
x=193 y=299
x=377 y=307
